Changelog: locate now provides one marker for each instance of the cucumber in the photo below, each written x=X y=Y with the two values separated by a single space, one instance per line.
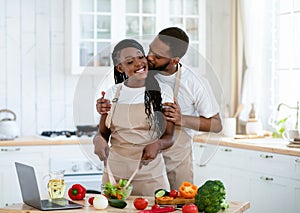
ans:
x=121 y=204
x=161 y=193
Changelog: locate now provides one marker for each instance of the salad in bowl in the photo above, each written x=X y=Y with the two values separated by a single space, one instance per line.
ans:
x=117 y=191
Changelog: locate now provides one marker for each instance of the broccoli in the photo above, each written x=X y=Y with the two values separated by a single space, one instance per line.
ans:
x=210 y=197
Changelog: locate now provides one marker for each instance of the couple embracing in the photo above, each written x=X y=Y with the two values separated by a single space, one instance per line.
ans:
x=149 y=114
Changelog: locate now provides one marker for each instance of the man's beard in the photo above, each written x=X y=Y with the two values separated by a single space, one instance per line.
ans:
x=161 y=67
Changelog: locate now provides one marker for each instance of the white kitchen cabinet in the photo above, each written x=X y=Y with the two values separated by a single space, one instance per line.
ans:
x=270 y=193
x=270 y=181
x=95 y=26
x=36 y=156
x=295 y=199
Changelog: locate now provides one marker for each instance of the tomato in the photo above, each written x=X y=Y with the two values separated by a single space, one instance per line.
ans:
x=91 y=199
x=173 y=193
x=190 y=208
x=155 y=206
x=140 y=203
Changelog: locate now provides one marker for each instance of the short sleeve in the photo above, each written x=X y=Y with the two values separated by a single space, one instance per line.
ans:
x=166 y=93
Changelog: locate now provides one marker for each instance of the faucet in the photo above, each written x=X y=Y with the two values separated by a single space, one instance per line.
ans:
x=297 y=114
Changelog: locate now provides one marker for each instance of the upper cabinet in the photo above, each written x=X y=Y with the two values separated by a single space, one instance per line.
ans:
x=93 y=27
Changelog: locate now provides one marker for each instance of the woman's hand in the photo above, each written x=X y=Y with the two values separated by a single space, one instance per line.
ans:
x=101 y=148
x=150 y=152
x=103 y=105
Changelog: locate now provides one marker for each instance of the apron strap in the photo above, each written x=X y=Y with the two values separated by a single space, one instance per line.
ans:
x=177 y=82
x=113 y=106
x=108 y=123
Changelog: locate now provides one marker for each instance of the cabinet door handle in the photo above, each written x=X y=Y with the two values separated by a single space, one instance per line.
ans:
x=297 y=160
x=227 y=150
x=266 y=156
x=266 y=178
x=10 y=149
x=201 y=146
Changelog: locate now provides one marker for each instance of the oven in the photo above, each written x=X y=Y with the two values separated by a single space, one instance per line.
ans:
x=79 y=170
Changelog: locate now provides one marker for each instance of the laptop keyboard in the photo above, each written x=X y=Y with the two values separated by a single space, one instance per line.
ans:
x=54 y=203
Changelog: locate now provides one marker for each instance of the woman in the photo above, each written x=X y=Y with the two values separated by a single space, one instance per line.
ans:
x=135 y=125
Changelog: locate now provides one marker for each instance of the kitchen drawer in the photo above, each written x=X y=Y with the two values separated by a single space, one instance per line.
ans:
x=219 y=155
x=296 y=168
x=231 y=157
x=33 y=155
x=271 y=163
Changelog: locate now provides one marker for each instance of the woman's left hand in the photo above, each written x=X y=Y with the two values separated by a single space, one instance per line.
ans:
x=150 y=152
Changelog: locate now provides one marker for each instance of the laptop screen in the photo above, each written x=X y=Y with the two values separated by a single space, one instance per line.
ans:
x=28 y=185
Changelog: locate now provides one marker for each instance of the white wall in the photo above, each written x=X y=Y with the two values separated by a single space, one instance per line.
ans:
x=218 y=40
x=33 y=80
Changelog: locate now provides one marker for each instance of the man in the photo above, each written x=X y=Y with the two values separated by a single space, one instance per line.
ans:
x=194 y=108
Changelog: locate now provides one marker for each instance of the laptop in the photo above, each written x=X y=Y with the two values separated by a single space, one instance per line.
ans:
x=31 y=195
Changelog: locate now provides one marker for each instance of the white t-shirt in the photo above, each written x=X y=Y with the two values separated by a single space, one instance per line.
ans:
x=130 y=95
x=195 y=96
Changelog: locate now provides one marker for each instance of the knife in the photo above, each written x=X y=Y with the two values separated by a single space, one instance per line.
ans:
x=176 y=206
x=160 y=210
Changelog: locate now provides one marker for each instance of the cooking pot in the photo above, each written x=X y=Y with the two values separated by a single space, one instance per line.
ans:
x=8 y=126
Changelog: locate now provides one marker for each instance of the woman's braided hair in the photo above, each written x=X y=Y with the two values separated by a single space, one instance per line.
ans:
x=152 y=97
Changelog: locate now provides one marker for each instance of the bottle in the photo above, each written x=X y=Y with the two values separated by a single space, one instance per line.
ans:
x=253 y=126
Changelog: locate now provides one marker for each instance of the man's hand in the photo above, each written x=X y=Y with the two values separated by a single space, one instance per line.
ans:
x=150 y=152
x=172 y=112
x=103 y=105
x=101 y=147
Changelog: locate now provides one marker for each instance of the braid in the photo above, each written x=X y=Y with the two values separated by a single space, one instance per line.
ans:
x=119 y=77
x=153 y=103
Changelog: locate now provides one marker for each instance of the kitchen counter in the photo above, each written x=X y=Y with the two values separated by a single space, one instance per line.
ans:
x=41 y=140
x=273 y=145
x=235 y=207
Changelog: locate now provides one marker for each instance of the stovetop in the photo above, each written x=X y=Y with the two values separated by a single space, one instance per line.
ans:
x=58 y=133
x=81 y=131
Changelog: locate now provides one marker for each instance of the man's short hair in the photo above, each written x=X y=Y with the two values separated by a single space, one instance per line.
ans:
x=176 y=39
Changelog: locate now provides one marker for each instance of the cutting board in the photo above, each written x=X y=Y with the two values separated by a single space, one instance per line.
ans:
x=175 y=201
x=293 y=145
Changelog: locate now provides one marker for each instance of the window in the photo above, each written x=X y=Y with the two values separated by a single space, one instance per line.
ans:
x=94 y=26
x=95 y=32
x=287 y=57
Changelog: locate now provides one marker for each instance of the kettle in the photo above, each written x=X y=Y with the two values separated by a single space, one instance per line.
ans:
x=8 y=126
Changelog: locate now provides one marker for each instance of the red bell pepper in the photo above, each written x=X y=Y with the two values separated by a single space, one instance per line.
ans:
x=77 y=192
x=159 y=210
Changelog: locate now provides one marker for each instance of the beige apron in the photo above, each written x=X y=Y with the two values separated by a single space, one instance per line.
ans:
x=179 y=157
x=129 y=135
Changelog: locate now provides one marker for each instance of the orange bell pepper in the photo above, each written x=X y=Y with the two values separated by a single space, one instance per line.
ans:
x=188 y=190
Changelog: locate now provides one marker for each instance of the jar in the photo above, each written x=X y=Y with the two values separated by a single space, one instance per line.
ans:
x=56 y=184
x=254 y=127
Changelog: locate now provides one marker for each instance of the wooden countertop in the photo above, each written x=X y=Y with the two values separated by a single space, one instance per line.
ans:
x=235 y=207
x=41 y=140
x=273 y=145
